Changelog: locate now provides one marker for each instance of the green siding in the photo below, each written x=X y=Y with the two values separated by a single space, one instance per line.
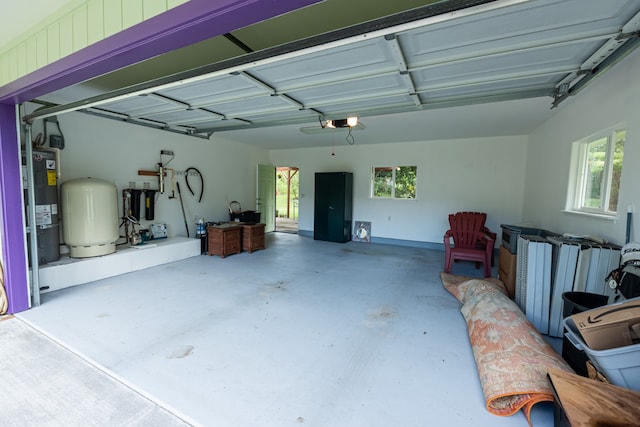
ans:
x=72 y=29
x=18 y=62
x=32 y=49
x=95 y=22
x=66 y=36
x=131 y=13
x=53 y=40
x=151 y=8
x=112 y=18
x=42 y=49
x=79 y=28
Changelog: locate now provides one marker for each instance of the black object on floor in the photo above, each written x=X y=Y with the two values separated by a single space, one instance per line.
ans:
x=577 y=302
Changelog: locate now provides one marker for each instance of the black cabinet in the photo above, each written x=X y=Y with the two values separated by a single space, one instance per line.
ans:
x=333 y=206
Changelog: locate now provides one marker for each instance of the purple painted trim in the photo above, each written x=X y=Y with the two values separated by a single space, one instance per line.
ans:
x=191 y=22
x=14 y=262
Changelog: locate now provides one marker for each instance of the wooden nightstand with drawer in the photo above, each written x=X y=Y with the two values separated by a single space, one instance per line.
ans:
x=224 y=239
x=252 y=237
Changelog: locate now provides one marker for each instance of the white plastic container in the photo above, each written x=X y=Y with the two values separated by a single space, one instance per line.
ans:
x=89 y=217
x=620 y=365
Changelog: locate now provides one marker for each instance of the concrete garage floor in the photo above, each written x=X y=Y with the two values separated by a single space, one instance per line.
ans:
x=303 y=333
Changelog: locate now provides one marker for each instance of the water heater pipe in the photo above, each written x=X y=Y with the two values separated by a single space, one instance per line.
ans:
x=161 y=173
x=161 y=178
x=173 y=192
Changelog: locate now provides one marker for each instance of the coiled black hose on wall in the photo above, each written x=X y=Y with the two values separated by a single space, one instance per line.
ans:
x=186 y=180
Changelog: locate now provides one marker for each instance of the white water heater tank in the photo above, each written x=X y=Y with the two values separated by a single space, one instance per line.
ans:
x=89 y=217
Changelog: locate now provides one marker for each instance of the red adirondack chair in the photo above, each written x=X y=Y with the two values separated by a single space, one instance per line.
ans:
x=471 y=241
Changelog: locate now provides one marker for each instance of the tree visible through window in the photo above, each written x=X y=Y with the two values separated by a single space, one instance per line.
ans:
x=600 y=168
x=396 y=182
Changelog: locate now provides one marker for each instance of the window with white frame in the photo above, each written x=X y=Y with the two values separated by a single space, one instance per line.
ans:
x=394 y=182
x=595 y=184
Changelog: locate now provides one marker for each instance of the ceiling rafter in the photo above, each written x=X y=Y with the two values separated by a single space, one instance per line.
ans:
x=414 y=18
x=184 y=105
x=405 y=75
x=401 y=108
x=542 y=47
x=271 y=90
x=394 y=93
x=610 y=52
x=547 y=90
x=492 y=53
x=405 y=68
x=180 y=129
x=213 y=113
x=316 y=107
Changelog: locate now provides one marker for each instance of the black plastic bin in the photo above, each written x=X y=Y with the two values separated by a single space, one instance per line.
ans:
x=510 y=234
x=577 y=302
x=251 y=217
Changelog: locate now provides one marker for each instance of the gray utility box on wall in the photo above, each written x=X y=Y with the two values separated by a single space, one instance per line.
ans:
x=333 y=206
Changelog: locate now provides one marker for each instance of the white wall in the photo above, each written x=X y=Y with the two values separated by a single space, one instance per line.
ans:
x=611 y=99
x=514 y=179
x=115 y=151
x=482 y=174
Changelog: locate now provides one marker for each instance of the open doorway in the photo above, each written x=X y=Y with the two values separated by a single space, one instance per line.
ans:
x=287 y=185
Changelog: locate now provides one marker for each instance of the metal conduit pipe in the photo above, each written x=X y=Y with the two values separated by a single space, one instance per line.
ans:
x=31 y=216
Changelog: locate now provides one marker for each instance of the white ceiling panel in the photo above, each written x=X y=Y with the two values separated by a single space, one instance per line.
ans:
x=185 y=117
x=501 y=50
x=214 y=124
x=211 y=91
x=555 y=61
x=332 y=65
x=370 y=106
x=241 y=107
x=342 y=91
x=524 y=88
x=288 y=116
x=523 y=24
x=137 y=105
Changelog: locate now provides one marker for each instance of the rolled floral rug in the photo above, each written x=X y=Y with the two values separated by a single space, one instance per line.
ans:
x=511 y=356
